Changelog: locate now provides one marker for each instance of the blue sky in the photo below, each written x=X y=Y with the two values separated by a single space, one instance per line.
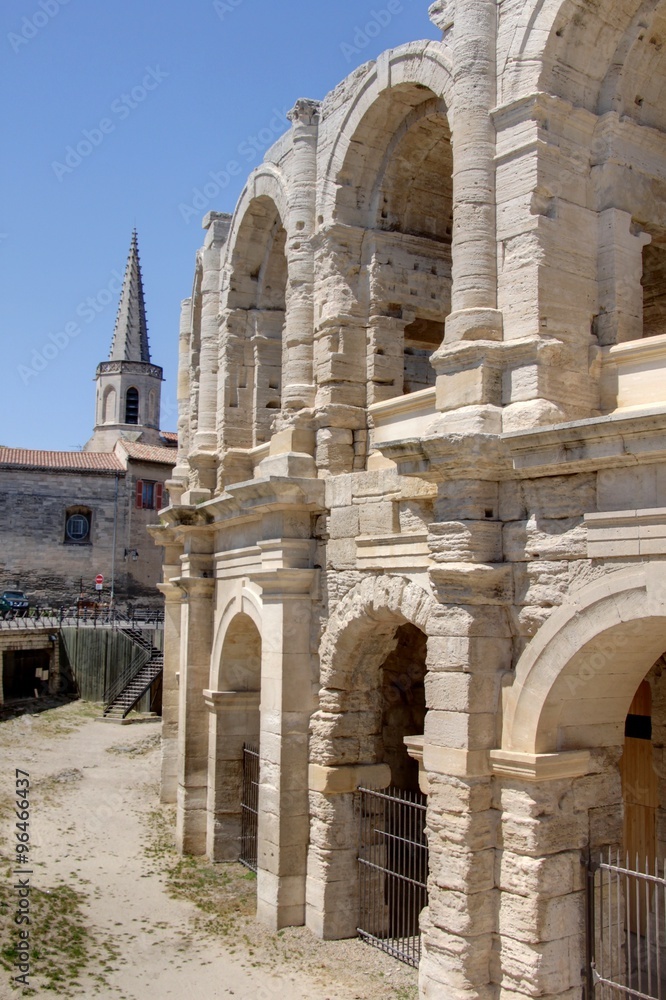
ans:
x=156 y=95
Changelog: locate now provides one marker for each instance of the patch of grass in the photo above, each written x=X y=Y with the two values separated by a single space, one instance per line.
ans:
x=225 y=893
x=62 y=947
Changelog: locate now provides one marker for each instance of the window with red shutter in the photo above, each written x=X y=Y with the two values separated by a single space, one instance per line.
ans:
x=139 y=493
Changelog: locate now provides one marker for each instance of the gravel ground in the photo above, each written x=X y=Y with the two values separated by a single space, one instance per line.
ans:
x=116 y=913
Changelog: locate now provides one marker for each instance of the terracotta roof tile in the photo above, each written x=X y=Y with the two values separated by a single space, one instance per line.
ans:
x=75 y=461
x=148 y=452
x=170 y=436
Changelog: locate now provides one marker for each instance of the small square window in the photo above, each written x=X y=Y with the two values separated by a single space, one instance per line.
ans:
x=148 y=494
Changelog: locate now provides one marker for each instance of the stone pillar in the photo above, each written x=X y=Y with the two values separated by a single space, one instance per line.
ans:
x=170 y=699
x=340 y=351
x=553 y=806
x=333 y=881
x=298 y=389
x=234 y=720
x=178 y=481
x=459 y=923
x=620 y=316
x=474 y=313
x=196 y=643
x=386 y=358
x=204 y=446
x=287 y=701
x=469 y=650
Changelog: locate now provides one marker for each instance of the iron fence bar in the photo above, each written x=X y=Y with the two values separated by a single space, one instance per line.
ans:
x=249 y=807
x=393 y=867
x=623 y=953
x=589 y=924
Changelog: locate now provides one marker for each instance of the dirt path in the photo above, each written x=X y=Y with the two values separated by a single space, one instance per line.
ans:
x=115 y=913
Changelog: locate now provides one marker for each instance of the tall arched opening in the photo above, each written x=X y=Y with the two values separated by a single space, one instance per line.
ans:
x=253 y=325
x=234 y=724
x=581 y=775
x=373 y=669
x=397 y=183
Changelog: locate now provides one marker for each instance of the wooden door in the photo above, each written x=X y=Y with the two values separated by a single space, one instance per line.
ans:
x=640 y=792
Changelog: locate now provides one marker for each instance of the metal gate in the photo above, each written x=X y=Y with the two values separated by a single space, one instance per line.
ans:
x=393 y=870
x=250 y=806
x=626 y=929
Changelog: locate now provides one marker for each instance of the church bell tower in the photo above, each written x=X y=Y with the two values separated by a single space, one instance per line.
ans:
x=128 y=384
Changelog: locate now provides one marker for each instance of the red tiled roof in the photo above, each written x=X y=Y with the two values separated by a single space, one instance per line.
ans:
x=170 y=436
x=148 y=452
x=74 y=461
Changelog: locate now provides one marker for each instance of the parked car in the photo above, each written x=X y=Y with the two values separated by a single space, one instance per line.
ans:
x=14 y=604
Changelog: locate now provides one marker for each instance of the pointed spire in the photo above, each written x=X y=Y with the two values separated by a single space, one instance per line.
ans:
x=130 y=338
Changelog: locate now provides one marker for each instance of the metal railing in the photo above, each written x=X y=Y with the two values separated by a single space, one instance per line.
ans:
x=250 y=806
x=73 y=617
x=626 y=928
x=132 y=670
x=393 y=870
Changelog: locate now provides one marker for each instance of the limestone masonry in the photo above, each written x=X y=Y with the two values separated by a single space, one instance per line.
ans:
x=421 y=487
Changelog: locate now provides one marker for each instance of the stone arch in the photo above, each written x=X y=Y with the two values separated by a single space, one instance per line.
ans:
x=575 y=681
x=349 y=663
x=415 y=72
x=267 y=181
x=254 y=304
x=233 y=704
x=550 y=52
x=247 y=604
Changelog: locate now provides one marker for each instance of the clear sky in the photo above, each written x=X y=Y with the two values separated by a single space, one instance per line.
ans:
x=114 y=115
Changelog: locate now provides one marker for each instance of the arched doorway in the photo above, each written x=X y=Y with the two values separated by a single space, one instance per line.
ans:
x=393 y=855
x=373 y=666
x=578 y=762
x=234 y=724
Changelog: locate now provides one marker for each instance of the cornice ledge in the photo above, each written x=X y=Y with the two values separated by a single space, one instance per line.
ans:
x=613 y=440
x=540 y=766
x=454 y=455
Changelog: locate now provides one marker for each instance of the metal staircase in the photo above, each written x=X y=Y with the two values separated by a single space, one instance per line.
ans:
x=139 y=676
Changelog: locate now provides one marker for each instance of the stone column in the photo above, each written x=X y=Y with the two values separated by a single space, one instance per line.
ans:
x=178 y=481
x=287 y=701
x=196 y=643
x=553 y=806
x=474 y=313
x=340 y=351
x=204 y=446
x=170 y=699
x=298 y=389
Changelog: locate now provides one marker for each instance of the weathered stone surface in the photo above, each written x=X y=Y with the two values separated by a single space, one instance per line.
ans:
x=434 y=417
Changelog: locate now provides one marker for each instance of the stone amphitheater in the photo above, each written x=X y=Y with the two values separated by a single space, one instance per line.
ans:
x=417 y=529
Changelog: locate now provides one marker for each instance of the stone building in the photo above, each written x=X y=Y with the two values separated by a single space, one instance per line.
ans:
x=421 y=486
x=68 y=516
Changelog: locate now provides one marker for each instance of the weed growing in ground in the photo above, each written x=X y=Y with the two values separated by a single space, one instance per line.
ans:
x=62 y=946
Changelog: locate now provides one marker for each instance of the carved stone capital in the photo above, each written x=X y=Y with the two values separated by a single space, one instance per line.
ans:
x=305 y=112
